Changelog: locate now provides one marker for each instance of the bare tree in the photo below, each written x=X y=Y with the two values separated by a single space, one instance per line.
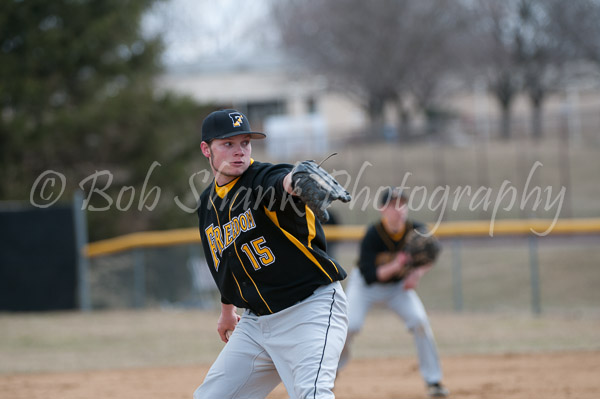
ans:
x=402 y=51
x=493 y=32
x=540 y=54
x=369 y=49
x=435 y=76
x=521 y=50
x=576 y=22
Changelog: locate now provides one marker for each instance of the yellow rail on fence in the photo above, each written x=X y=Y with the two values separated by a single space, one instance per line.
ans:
x=356 y=232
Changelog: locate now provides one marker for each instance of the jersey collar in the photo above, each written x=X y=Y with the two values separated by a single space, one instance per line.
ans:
x=224 y=189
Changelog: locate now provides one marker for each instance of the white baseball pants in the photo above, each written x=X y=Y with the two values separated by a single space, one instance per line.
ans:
x=407 y=305
x=300 y=346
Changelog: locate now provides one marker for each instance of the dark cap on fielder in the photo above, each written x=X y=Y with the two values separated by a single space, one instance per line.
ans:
x=227 y=123
x=389 y=193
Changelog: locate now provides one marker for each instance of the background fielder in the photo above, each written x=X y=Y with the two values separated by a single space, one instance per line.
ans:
x=385 y=275
x=266 y=251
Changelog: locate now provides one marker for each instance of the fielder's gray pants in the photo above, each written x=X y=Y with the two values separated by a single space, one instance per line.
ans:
x=407 y=305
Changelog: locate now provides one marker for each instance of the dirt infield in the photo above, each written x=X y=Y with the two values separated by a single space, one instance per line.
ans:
x=164 y=354
x=561 y=375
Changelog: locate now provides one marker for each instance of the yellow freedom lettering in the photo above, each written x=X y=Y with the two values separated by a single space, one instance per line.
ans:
x=210 y=234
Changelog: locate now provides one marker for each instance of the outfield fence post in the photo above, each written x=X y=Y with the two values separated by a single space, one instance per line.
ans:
x=139 y=278
x=81 y=240
x=534 y=275
x=457 y=293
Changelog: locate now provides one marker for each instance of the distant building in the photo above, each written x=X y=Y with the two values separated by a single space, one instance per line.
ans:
x=303 y=114
x=298 y=110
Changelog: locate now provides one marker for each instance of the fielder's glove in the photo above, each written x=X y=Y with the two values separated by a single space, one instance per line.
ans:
x=317 y=188
x=421 y=249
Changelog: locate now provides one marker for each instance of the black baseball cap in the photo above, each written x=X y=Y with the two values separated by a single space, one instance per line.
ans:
x=227 y=123
x=389 y=193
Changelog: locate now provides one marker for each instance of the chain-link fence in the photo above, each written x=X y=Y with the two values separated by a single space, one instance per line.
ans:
x=166 y=276
x=558 y=273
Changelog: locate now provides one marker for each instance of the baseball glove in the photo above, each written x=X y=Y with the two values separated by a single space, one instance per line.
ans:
x=317 y=188
x=421 y=249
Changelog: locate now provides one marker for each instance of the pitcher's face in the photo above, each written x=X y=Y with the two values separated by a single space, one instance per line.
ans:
x=229 y=157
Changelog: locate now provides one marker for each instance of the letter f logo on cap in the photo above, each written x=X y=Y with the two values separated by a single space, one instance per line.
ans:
x=237 y=119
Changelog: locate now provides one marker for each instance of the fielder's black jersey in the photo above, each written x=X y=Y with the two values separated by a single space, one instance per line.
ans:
x=379 y=247
x=264 y=247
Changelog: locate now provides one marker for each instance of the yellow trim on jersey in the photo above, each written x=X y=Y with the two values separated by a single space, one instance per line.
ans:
x=253 y=283
x=242 y=263
x=310 y=223
x=385 y=237
x=333 y=263
x=215 y=244
x=239 y=288
x=273 y=216
x=223 y=190
x=216 y=213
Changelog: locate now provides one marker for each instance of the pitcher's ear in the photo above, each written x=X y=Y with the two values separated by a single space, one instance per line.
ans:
x=205 y=147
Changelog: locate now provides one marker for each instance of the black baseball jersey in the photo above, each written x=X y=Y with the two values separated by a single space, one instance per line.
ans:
x=264 y=247
x=379 y=247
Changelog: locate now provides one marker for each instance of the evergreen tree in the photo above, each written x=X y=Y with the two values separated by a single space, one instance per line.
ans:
x=77 y=96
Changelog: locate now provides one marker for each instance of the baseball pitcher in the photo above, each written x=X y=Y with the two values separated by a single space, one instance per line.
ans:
x=260 y=227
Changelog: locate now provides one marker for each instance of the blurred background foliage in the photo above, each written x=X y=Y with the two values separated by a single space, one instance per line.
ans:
x=78 y=90
x=77 y=96
x=415 y=53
